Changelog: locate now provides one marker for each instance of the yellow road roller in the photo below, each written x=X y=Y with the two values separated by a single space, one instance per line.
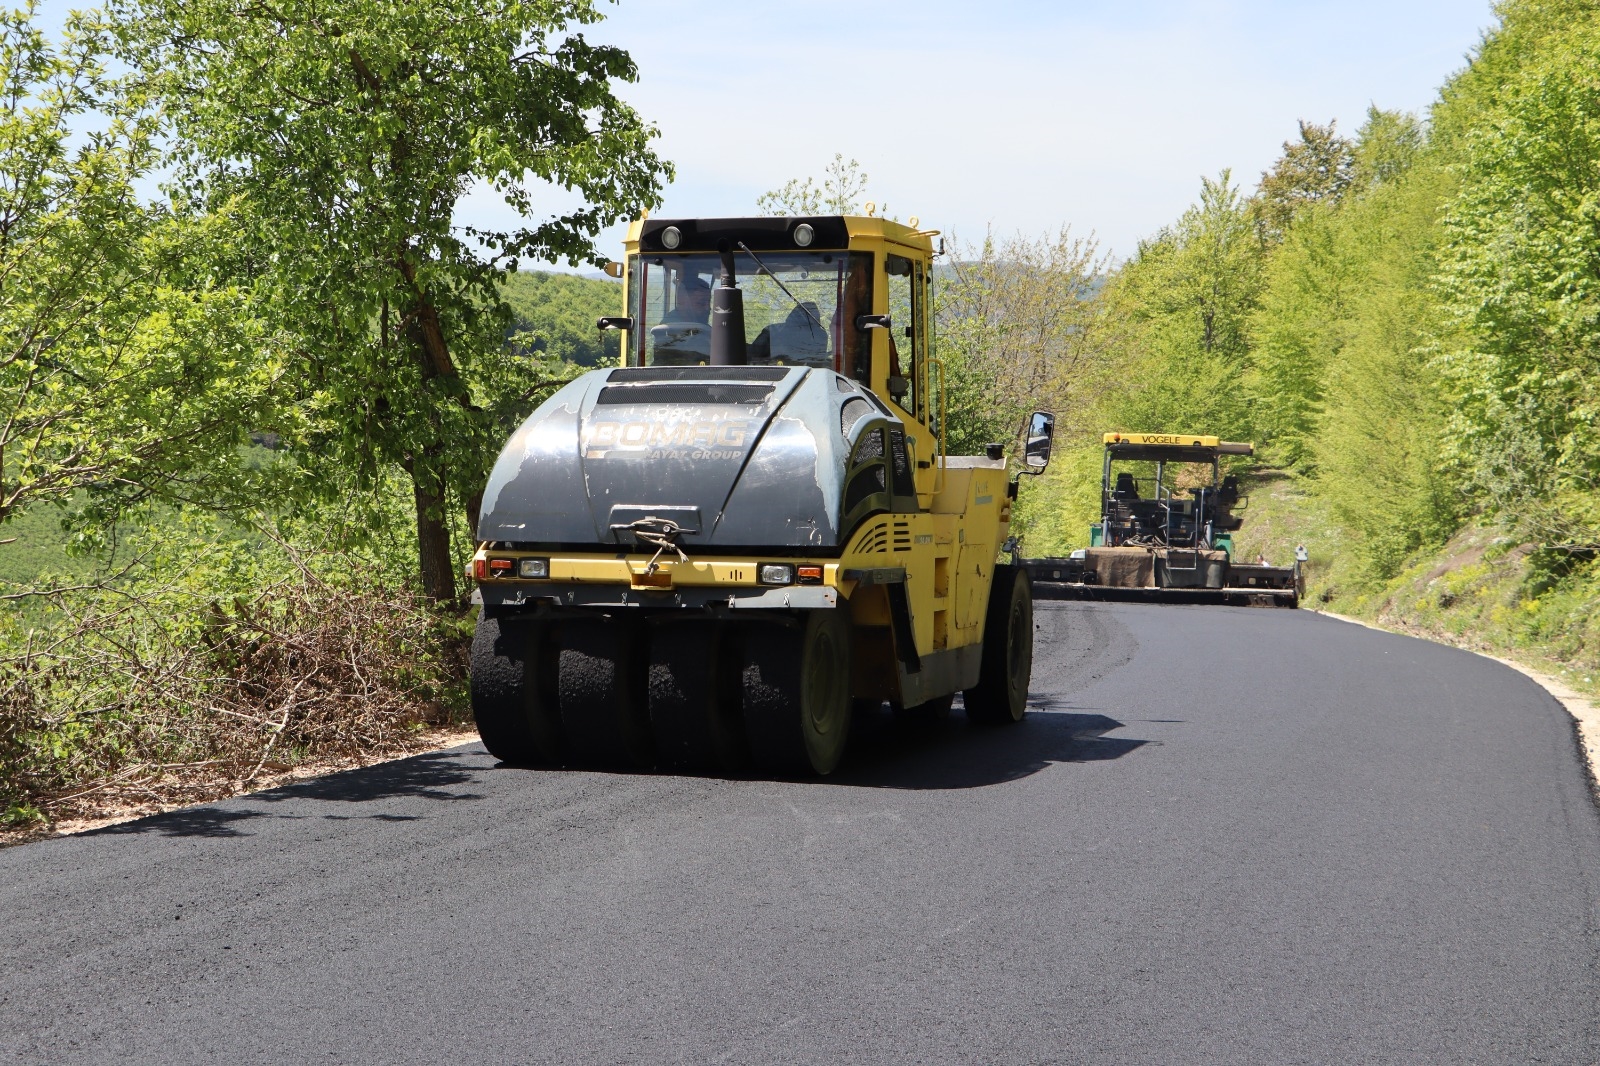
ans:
x=709 y=557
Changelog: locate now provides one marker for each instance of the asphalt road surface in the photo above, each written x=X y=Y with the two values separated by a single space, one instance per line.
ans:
x=1222 y=835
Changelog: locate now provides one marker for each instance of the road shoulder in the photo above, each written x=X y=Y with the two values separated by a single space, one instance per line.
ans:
x=436 y=740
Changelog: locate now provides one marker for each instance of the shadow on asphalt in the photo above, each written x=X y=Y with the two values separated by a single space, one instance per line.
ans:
x=884 y=753
x=954 y=754
x=421 y=776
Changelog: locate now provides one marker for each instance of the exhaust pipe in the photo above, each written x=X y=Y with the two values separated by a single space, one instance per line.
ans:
x=727 y=316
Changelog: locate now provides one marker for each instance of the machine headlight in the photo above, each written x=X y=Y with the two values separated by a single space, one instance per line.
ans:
x=533 y=568
x=777 y=574
x=804 y=235
x=671 y=238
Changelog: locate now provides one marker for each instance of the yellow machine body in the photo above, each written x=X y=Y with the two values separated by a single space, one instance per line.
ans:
x=947 y=552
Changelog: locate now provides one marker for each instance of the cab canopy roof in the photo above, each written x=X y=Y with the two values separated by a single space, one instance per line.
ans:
x=771 y=233
x=1172 y=447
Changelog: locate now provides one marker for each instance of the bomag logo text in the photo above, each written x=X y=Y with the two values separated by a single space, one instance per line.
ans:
x=705 y=439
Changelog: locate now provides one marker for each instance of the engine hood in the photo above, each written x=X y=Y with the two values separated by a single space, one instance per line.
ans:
x=737 y=456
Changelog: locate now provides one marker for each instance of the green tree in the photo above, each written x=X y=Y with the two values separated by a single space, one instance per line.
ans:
x=1165 y=346
x=1521 y=276
x=1016 y=331
x=555 y=315
x=346 y=133
x=1387 y=146
x=1179 y=313
x=1316 y=169
x=839 y=192
x=1310 y=280
x=124 y=375
x=1378 y=450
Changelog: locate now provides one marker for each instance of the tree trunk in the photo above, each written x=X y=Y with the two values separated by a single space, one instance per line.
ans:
x=433 y=536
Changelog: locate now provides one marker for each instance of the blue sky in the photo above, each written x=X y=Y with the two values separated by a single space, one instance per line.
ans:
x=1019 y=115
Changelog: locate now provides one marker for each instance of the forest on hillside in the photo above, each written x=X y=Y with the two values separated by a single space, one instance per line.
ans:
x=1403 y=317
x=243 y=424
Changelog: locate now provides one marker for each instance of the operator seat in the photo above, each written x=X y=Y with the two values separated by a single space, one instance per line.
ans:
x=797 y=341
x=1227 y=498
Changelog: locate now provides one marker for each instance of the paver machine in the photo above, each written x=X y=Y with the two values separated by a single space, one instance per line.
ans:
x=1167 y=519
x=711 y=556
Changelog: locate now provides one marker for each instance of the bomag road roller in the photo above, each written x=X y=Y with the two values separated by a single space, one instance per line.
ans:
x=1167 y=519
x=711 y=555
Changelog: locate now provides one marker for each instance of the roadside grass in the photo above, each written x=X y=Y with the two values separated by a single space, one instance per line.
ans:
x=38 y=545
x=222 y=659
x=1486 y=591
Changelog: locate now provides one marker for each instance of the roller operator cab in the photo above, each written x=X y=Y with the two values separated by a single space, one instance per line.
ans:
x=707 y=557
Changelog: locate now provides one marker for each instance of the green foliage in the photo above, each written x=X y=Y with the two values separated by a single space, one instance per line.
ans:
x=344 y=135
x=221 y=658
x=555 y=315
x=1387 y=146
x=1298 y=330
x=1190 y=290
x=1016 y=325
x=1182 y=309
x=1378 y=448
x=1317 y=278
x=1053 y=513
x=1522 y=282
x=839 y=193
x=1315 y=170
x=125 y=372
x=1162 y=344
x=35 y=544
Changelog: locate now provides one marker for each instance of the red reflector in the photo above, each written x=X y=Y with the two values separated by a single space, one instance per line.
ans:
x=810 y=573
x=480 y=569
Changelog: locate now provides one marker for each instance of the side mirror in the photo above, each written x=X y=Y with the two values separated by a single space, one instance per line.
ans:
x=1036 y=452
x=613 y=269
x=866 y=322
x=613 y=322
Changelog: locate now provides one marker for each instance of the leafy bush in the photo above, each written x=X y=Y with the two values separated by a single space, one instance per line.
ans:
x=166 y=689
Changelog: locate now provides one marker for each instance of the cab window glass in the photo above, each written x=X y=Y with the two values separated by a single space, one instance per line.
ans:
x=635 y=276
x=857 y=343
x=904 y=301
x=793 y=308
x=921 y=324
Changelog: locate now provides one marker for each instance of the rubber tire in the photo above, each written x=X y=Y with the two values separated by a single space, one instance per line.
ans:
x=602 y=681
x=796 y=692
x=513 y=691
x=1001 y=695
x=694 y=697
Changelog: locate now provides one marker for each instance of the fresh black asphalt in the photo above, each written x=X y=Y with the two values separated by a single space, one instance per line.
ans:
x=1222 y=835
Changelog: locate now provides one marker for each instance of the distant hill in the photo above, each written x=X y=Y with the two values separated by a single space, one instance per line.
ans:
x=556 y=313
